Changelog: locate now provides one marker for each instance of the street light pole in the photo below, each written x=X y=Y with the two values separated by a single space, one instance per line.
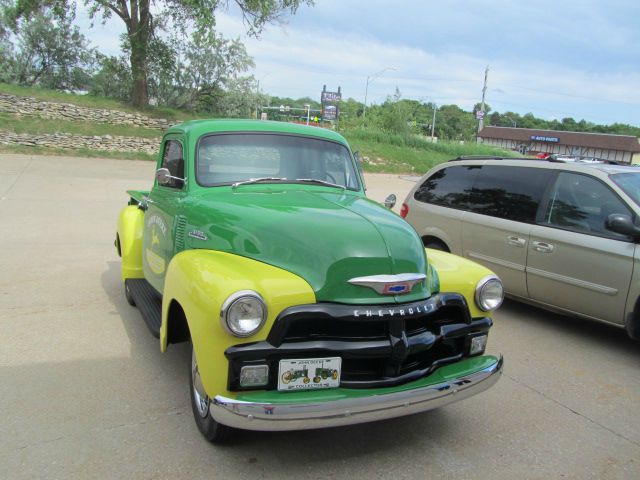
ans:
x=370 y=79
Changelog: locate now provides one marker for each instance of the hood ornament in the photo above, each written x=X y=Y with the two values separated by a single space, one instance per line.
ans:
x=390 y=284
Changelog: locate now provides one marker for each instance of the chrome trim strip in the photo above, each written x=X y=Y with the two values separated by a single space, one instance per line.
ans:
x=497 y=261
x=379 y=282
x=304 y=416
x=573 y=281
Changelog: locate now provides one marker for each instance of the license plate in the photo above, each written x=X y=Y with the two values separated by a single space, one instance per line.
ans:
x=309 y=373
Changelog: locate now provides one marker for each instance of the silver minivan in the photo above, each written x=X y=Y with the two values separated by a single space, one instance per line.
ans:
x=563 y=236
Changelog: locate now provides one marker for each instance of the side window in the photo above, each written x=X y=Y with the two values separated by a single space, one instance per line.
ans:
x=512 y=193
x=449 y=187
x=582 y=203
x=173 y=160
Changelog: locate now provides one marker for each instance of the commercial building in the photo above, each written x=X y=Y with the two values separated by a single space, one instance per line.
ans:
x=620 y=148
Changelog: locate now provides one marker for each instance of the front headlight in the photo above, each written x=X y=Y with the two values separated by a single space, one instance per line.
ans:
x=489 y=293
x=243 y=313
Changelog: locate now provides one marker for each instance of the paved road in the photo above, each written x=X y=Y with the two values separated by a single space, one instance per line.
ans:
x=86 y=393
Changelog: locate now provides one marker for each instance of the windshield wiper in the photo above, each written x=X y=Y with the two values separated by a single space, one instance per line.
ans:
x=259 y=180
x=321 y=182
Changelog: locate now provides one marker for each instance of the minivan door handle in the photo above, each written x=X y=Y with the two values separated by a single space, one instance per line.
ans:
x=542 y=247
x=516 y=241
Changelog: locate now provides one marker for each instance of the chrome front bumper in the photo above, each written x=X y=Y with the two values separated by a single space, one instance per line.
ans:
x=303 y=416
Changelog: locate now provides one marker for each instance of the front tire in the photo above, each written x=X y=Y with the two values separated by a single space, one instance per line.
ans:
x=211 y=430
x=127 y=294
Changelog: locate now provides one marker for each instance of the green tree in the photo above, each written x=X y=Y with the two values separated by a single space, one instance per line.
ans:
x=455 y=124
x=52 y=53
x=113 y=78
x=394 y=114
x=174 y=16
x=212 y=64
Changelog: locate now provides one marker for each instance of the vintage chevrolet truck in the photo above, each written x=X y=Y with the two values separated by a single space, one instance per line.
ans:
x=306 y=304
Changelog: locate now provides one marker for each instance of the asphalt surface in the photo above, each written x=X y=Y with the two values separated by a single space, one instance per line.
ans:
x=86 y=393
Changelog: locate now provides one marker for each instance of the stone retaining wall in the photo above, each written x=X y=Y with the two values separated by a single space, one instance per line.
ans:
x=66 y=111
x=67 y=140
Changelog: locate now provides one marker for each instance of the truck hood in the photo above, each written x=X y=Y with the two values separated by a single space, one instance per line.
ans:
x=326 y=237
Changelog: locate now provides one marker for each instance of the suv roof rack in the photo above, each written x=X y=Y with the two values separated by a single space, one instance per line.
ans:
x=486 y=157
x=550 y=158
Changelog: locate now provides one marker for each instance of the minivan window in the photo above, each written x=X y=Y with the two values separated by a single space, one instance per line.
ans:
x=449 y=187
x=630 y=183
x=582 y=203
x=512 y=193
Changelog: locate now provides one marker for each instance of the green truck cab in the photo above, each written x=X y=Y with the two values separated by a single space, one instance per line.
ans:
x=306 y=304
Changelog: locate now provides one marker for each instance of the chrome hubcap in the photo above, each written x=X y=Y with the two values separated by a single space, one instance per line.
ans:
x=201 y=398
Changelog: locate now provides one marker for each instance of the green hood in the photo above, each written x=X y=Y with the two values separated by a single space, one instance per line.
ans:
x=322 y=235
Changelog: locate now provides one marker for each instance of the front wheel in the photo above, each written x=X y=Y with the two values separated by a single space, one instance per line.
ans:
x=211 y=430
x=127 y=294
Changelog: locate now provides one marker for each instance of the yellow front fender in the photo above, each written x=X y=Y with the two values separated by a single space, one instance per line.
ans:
x=457 y=274
x=201 y=280
x=130 y=228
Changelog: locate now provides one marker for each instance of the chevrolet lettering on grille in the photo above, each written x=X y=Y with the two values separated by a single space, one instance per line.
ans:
x=392 y=312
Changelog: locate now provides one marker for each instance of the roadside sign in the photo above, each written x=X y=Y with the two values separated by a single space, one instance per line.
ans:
x=479 y=115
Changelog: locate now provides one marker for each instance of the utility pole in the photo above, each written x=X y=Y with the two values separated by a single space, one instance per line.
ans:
x=484 y=91
x=433 y=122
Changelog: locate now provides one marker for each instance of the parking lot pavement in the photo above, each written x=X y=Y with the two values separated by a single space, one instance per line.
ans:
x=86 y=393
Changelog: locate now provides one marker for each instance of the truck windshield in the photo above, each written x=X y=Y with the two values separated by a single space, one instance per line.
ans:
x=630 y=183
x=225 y=159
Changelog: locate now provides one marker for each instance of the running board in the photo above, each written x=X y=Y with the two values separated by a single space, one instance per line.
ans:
x=148 y=301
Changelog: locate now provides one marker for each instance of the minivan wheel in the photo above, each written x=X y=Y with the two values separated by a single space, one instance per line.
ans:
x=435 y=245
x=211 y=430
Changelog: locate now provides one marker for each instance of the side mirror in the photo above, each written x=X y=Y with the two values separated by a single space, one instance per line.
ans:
x=164 y=177
x=620 y=223
x=390 y=201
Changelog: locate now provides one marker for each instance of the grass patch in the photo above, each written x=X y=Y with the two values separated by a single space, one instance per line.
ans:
x=36 y=125
x=80 y=152
x=93 y=102
x=394 y=153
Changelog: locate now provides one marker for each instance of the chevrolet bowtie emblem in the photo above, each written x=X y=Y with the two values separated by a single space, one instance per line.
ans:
x=390 y=284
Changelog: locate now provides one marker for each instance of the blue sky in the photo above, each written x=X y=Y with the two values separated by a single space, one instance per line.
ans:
x=554 y=59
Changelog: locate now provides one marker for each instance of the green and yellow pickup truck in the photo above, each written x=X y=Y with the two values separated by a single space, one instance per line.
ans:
x=306 y=304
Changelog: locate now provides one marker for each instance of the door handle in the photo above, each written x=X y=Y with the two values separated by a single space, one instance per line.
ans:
x=542 y=247
x=516 y=241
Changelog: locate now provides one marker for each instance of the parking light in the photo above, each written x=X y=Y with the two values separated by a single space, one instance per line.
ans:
x=477 y=344
x=254 y=375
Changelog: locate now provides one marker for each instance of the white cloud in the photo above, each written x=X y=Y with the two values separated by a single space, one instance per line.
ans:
x=297 y=63
x=539 y=60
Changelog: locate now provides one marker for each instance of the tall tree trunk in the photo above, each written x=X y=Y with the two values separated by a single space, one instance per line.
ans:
x=139 y=30
x=139 y=92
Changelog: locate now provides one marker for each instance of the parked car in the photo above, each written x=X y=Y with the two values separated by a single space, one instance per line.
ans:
x=563 y=236
x=258 y=246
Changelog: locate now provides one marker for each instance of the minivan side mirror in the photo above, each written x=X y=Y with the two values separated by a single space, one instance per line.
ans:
x=623 y=224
